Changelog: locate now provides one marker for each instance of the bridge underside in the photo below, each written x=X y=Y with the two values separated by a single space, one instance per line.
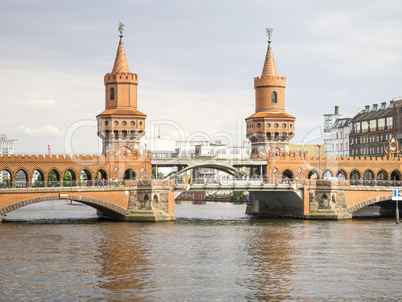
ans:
x=277 y=204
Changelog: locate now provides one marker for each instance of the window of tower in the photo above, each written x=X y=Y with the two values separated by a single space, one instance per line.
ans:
x=276 y=125
x=106 y=123
x=284 y=125
x=132 y=123
x=111 y=94
x=274 y=98
x=124 y=123
x=268 y=125
x=259 y=125
x=115 y=123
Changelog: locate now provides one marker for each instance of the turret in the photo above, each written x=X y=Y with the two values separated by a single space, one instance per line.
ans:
x=121 y=125
x=270 y=127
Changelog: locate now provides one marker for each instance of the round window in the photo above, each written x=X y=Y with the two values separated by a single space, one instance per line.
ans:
x=276 y=125
x=259 y=125
x=115 y=123
x=124 y=123
x=106 y=123
x=132 y=123
x=284 y=125
x=268 y=125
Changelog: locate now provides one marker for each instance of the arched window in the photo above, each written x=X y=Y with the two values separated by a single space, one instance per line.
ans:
x=111 y=94
x=274 y=98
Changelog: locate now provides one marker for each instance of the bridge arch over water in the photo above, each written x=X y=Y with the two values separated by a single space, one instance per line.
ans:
x=107 y=208
x=368 y=202
x=225 y=168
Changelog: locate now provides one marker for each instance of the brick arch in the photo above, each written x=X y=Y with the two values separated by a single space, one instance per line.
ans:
x=41 y=171
x=22 y=169
x=288 y=173
x=10 y=171
x=311 y=173
x=99 y=204
x=343 y=172
x=88 y=172
x=368 y=202
x=382 y=171
x=354 y=171
x=54 y=169
x=71 y=170
x=327 y=171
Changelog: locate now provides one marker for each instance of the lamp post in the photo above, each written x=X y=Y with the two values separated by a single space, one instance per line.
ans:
x=319 y=161
x=146 y=159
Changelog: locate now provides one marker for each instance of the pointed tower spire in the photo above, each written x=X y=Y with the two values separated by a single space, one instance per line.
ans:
x=269 y=69
x=120 y=63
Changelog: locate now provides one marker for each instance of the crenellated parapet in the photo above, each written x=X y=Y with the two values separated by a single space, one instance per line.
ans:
x=270 y=81
x=121 y=77
x=294 y=164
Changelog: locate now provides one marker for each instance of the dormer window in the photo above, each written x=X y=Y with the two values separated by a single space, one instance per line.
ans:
x=112 y=94
x=274 y=99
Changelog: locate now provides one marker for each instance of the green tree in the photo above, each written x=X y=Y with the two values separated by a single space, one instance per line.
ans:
x=51 y=176
x=154 y=176
x=238 y=195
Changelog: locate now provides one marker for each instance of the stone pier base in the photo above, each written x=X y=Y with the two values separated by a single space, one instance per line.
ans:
x=148 y=216
x=328 y=214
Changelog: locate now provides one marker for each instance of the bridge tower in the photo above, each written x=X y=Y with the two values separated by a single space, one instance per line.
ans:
x=270 y=127
x=121 y=125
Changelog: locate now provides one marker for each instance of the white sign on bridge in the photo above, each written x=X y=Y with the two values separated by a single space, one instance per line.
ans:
x=397 y=195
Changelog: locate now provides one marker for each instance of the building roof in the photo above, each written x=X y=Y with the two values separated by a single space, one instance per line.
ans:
x=121 y=63
x=271 y=115
x=373 y=114
x=122 y=112
x=341 y=122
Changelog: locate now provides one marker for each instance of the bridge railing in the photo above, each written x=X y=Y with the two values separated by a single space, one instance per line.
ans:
x=113 y=183
x=224 y=181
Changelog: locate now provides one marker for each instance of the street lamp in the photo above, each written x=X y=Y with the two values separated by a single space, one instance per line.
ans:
x=146 y=159
x=319 y=161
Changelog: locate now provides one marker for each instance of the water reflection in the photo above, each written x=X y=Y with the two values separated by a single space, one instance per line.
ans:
x=212 y=253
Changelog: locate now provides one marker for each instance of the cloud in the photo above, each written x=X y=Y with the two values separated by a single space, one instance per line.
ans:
x=45 y=131
x=40 y=104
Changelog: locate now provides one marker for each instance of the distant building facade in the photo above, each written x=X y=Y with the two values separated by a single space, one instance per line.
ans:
x=336 y=131
x=6 y=148
x=371 y=130
x=397 y=104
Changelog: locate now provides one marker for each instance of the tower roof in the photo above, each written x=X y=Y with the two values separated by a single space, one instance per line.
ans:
x=269 y=69
x=120 y=63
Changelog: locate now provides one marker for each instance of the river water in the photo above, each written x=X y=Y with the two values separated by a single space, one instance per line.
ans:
x=53 y=251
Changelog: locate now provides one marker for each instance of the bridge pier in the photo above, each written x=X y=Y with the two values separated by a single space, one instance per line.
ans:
x=321 y=201
x=327 y=202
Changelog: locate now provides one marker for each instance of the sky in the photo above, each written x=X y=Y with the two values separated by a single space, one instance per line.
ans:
x=196 y=62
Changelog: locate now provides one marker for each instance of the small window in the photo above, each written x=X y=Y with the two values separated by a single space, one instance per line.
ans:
x=259 y=125
x=274 y=98
x=268 y=125
x=284 y=125
x=106 y=123
x=124 y=123
x=276 y=125
x=112 y=94
x=132 y=123
x=115 y=123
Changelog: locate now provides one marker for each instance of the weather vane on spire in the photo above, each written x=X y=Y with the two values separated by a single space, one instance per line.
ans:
x=269 y=33
x=121 y=28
